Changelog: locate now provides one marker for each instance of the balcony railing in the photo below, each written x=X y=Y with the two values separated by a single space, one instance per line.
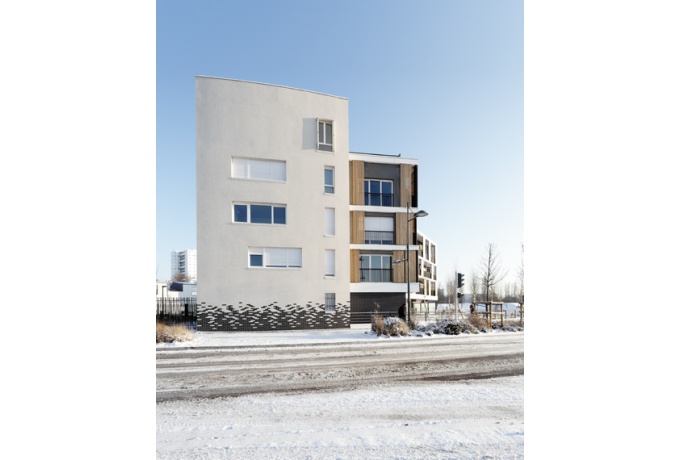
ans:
x=376 y=275
x=378 y=199
x=374 y=237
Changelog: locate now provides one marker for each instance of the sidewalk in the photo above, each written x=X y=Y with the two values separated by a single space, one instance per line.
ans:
x=355 y=333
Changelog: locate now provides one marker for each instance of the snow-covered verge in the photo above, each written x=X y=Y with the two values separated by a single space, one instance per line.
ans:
x=481 y=419
x=357 y=333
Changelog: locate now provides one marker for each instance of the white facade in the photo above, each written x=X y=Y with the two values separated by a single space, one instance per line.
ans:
x=184 y=262
x=272 y=200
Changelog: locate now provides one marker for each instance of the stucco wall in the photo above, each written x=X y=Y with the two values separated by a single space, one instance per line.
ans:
x=253 y=120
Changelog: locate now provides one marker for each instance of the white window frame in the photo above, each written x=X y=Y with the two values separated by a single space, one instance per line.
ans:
x=248 y=221
x=329 y=263
x=332 y=184
x=324 y=144
x=267 y=253
x=329 y=222
x=381 y=181
x=249 y=162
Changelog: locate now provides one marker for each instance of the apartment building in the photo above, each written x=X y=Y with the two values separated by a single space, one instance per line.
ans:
x=183 y=263
x=294 y=231
x=383 y=222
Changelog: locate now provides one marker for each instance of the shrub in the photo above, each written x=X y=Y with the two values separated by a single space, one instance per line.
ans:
x=377 y=324
x=389 y=326
x=172 y=333
x=477 y=321
x=395 y=326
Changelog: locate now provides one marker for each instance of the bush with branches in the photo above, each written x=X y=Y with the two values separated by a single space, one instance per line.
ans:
x=168 y=333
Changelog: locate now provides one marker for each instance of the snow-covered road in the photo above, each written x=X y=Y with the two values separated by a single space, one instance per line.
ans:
x=383 y=399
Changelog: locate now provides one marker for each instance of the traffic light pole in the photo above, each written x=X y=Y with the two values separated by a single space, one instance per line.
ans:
x=455 y=299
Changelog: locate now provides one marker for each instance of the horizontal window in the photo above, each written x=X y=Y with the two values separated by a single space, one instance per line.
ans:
x=275 y=257
x=259 y=213
x=251 y=168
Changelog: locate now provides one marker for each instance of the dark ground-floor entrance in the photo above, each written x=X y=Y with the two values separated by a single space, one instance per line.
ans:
x=364 y=304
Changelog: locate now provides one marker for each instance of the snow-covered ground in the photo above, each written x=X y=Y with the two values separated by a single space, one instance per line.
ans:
x=472 y=419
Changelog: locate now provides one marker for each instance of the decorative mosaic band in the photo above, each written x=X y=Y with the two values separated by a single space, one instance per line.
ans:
x=271 y=317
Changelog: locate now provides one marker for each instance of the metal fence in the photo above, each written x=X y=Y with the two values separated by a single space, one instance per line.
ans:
x=177 y=310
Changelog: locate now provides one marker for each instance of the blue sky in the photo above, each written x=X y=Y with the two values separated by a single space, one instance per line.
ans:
x=440 y=81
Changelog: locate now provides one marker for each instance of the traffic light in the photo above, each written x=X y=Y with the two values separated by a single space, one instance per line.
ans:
x=459 y=295
x=460 y=280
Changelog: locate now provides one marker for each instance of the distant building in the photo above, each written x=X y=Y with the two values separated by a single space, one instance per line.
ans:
x=183 y=262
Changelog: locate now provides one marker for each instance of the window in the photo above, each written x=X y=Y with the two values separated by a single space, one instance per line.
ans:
x=330 y=222
x=250 y=168
x=375 y=268
x=378 y=230
x=330 y=302
x=260 y=213
x=275 y=257
x=329 y=180
x=329 y=262
x=378 y=192
x=325 y=131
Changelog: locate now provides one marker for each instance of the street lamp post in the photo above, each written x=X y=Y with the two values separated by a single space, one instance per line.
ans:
x=420 y=213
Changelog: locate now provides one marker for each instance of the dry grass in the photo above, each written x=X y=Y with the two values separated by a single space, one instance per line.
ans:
x=377 y=324
x=477 y=321
x=172 y=333
x=388 y=326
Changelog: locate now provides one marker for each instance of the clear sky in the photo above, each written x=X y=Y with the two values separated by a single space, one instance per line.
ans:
x=440 y=81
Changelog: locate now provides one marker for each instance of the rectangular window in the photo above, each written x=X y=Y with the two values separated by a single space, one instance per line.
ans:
x=375 y=268
x=379 y=230
x=251 y=168
x=330 y=302
x=260 y=213
x=329 y=180
x=325 y=132
x=330 y=222
x=330 y=263
x=275 y=257
x=378 y=192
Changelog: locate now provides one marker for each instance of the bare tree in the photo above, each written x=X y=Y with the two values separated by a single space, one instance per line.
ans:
x=520 y=275
x=491 y=270
x=474 y=285
x=180 y=277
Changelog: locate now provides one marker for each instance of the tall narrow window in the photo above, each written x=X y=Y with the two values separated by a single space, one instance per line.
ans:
x=330 y=222
x=330 y=263
x=330 y=302
x=325 y=131
x=329 y=180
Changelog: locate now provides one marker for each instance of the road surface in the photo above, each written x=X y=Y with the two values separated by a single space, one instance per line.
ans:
x=183 y=374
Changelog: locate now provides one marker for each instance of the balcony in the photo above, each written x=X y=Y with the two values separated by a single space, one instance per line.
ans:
x=376 y=275
x=378 y=199
x=376 y=237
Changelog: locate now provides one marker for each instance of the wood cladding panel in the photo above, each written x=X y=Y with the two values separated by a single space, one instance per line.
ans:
x=356 y=231
x=399 y=270
x=354 y=275
x=405 y=191
x=356 y=182
x=400 y=229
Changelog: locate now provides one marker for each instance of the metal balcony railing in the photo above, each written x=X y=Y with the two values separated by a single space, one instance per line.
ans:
x=376 y=275
x=373 y=237
x=378 y=199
